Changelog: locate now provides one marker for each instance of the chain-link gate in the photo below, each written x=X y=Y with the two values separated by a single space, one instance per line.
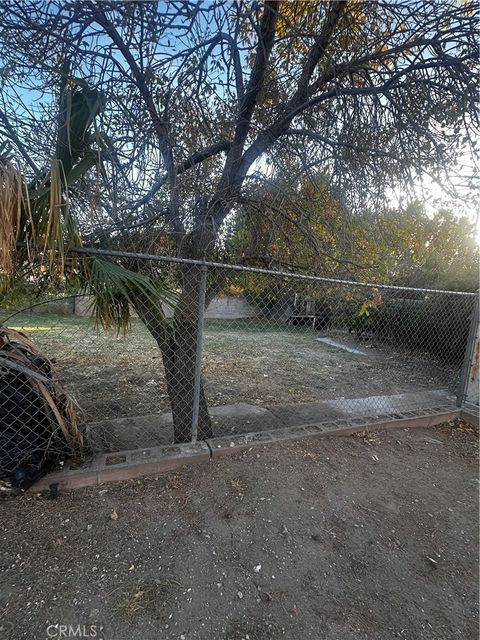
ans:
x=223 y=350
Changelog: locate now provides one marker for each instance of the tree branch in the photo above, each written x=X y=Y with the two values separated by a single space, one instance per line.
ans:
x=248 y=102
x=196 y=158
x=18 y=143
x=314 y=56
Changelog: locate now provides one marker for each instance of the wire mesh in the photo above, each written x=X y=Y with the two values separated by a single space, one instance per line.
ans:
x=38 y=422
x=302 y=349
x=277 y=350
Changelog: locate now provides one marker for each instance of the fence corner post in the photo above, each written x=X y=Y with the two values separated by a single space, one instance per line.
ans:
x=198 y=351
x=469 y=386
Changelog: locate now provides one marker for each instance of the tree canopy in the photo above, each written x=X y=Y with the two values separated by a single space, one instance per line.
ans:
x=196 y=97
x=300 y=225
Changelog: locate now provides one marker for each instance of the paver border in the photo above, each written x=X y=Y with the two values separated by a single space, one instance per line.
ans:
x=125 y=465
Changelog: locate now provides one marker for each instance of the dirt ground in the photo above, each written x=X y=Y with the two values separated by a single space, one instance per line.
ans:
x=356 y=538
x=244 y=361
x=293 y=366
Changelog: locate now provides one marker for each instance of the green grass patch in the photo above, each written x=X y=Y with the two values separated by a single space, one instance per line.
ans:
x=252 y=325
x=45 y=321
x=33 y=322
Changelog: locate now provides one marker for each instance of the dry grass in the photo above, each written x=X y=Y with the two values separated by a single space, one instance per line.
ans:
x=153 y=598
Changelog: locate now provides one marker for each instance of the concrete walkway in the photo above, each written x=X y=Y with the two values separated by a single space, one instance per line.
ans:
x=228 y=420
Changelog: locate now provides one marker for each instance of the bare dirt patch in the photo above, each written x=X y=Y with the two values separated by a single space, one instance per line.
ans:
x=370 y=537
x=275 y=367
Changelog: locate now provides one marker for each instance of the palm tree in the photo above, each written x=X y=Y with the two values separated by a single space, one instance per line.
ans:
x=38 y=222
x=38 y=226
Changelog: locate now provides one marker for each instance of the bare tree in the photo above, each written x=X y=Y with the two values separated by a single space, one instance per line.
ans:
x=197 y=95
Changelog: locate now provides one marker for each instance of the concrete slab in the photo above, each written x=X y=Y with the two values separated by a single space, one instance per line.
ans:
x=338 y=345
x=126 y=433
x=291 y=415
x=157 y=429
x=399 y=403
x=239 y=409
x=242 y=418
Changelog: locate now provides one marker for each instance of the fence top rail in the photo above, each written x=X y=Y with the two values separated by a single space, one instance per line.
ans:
x=238 y=267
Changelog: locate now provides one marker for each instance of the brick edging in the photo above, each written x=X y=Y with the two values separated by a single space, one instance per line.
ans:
x=471 y=417
x=125 y=465
x=230 y=445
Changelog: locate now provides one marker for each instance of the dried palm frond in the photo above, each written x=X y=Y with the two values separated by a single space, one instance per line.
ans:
x=34 y=218
x=22 y=362
x=37 y=419
x=12 y=212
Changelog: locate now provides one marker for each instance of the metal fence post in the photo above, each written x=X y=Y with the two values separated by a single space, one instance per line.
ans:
x=198 y=352
x=468 y=388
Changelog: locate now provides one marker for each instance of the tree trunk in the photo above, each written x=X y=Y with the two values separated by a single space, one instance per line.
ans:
x=177 y=341
x=181 y=380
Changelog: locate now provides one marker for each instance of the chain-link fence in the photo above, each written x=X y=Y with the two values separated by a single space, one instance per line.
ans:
x=222 y=350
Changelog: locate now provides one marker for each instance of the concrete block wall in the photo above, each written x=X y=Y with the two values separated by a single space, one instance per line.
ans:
x=60 y=307
x=230 y=308
x=221 y=307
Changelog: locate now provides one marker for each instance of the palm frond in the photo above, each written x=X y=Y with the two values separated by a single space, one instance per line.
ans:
x=12 y=209
x=115 y=290
x=24 y=365
x=38 y=216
